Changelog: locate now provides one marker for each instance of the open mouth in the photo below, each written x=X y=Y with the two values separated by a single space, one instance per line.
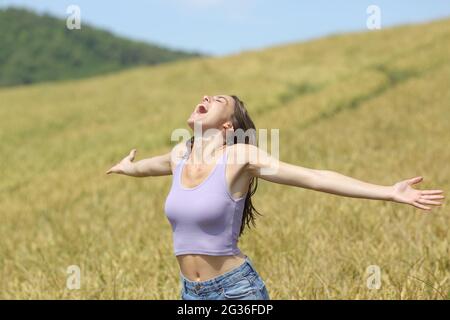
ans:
x=201 y=109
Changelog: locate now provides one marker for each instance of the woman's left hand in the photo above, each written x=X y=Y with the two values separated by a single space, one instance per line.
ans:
x=404 y=193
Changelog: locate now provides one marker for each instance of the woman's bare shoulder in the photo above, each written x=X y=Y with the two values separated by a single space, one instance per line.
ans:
x=242 y=149
x=241 y=153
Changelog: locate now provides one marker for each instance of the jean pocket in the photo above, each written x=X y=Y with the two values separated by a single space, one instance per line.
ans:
x=241 y=289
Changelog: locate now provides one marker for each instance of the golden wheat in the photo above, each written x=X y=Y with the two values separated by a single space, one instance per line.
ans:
x=373 y=105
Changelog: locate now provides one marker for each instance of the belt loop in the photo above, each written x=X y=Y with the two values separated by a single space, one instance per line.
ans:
x=250 y=263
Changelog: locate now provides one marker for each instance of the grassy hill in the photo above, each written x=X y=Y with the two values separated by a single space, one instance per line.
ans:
x=38 y=48
x=374 y=106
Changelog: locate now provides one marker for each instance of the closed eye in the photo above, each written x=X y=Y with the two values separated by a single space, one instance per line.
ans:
x=222 y=99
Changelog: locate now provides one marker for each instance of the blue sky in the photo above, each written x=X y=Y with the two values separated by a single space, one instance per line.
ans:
x=221 y=27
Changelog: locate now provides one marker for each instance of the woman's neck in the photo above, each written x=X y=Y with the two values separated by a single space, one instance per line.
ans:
x=204 y=149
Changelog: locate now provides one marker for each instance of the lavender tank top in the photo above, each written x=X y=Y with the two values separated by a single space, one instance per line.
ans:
x=205 y=219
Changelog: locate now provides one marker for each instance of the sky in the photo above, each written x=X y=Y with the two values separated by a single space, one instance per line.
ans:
x=223 y=27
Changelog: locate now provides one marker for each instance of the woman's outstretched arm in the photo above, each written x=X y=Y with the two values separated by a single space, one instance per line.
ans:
x=262 y=165
x=154 y=166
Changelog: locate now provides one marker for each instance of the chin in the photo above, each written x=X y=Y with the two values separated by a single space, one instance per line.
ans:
x=190 y=123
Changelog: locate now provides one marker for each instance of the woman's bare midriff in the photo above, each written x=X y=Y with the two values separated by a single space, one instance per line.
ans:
x=200 y=267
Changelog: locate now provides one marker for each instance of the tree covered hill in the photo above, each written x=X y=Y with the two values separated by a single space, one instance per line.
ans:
x=36 y=48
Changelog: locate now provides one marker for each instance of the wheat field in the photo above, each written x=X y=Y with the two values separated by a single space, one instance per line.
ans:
x=372 y=105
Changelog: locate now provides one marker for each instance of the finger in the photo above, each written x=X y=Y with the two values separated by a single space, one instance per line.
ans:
x=431 y=191
x=132 y=155
x=418 y=205
x=114 y=169
x=415 y=180
x=424 y=201
x=433 y=197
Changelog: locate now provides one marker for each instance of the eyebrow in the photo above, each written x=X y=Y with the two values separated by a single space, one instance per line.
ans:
x=223 y=98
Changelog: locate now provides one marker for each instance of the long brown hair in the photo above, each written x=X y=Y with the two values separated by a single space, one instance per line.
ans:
x=241 y=120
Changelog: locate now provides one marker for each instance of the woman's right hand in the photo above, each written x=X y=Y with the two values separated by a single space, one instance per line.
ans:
x=125 y=166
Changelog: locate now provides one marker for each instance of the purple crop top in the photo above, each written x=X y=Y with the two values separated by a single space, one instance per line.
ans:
x=205 y=219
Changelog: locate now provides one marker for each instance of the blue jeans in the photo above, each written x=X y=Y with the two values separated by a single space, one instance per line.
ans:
x=240 y=283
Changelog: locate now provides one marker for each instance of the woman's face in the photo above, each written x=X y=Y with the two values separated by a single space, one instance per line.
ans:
x=212 y=112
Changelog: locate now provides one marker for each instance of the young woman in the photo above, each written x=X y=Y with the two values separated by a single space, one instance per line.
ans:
x=209 y=202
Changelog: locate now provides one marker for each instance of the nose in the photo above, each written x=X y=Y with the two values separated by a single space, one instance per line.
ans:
x=205 y=98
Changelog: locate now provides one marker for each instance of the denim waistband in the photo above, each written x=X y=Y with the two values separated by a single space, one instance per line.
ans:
x=216 y=283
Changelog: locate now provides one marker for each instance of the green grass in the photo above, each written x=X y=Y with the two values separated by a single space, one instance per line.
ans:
x=374 y=106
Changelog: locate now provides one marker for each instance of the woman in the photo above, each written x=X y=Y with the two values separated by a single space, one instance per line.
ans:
x=209 y=202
